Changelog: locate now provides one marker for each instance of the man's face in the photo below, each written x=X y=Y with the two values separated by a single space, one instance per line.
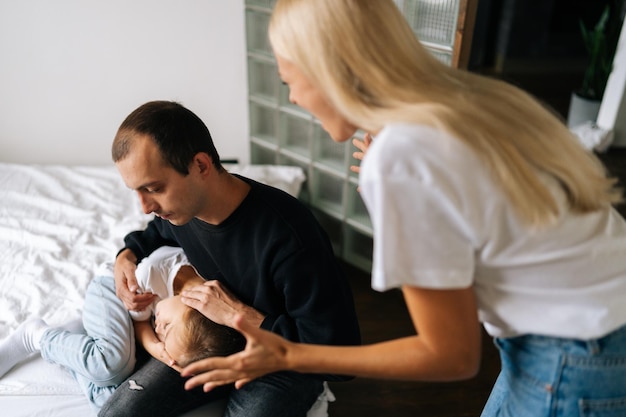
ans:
x=161 y=189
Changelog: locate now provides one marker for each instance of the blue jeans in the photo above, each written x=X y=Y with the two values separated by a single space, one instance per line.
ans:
x=547 y=376
x=102 y=358
x=161 y=392
x=282 y=394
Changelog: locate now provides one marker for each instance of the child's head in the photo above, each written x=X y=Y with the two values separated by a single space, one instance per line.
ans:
x=206 y=338
x=189 y=336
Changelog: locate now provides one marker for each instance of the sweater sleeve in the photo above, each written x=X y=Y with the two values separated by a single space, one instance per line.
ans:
x=319 y=304
x=318 y=301
x=143 y=242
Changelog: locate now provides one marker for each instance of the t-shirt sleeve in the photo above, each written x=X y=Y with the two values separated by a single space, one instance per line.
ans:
x=143 y=242
x=419 y=237
x=152 y=275
x=421 y=211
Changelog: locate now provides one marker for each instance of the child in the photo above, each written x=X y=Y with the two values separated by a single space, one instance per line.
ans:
x=103 y=355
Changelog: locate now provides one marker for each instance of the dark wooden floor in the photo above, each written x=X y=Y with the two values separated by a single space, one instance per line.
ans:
x=383 y=316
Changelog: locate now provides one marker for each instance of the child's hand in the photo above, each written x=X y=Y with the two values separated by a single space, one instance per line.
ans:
x=157 y=350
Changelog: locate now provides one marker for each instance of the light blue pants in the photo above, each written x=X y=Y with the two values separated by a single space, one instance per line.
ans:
x=553 y=377
x=102 y=358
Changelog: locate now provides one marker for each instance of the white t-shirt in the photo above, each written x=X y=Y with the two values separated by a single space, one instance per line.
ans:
x=440 y=221
x=154 y=274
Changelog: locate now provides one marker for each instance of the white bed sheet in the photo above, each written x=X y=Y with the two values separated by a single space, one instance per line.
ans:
x=57 y=225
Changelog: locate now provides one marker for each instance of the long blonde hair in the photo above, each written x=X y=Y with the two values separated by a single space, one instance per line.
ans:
x=374 y=71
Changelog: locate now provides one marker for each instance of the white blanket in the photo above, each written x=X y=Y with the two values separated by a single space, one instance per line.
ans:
x=57 y=225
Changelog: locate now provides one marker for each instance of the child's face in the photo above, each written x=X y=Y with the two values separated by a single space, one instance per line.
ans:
x=169 y=326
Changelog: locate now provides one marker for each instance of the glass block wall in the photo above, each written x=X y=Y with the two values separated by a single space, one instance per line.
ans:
x=281 y=133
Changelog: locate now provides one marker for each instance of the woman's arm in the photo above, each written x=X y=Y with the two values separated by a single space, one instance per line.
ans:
x=447 y=347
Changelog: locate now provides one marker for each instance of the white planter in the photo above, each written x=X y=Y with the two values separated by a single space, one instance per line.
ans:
x=582 y=110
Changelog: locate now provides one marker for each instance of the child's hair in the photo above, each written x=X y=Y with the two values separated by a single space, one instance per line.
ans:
x=205 y=338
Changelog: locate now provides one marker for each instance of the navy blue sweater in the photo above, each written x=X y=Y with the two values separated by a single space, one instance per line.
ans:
x=274 y=256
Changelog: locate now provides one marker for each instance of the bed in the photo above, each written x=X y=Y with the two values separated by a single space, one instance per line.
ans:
x=57 y=224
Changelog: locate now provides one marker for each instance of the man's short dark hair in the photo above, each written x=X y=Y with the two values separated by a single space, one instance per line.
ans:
x=177 y=131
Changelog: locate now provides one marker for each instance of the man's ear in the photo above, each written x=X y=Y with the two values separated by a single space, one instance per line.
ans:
x=203 y=162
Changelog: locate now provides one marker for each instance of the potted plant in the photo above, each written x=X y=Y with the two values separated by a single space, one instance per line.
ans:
x=600 y=43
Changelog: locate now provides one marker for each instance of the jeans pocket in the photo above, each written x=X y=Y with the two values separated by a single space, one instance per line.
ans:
x=609 y=407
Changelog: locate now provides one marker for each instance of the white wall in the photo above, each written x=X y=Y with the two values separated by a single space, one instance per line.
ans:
x=72 y=70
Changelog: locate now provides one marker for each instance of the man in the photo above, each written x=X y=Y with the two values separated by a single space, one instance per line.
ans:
x=262 y=252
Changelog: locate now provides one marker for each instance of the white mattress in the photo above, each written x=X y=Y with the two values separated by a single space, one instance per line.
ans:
x=57 y=224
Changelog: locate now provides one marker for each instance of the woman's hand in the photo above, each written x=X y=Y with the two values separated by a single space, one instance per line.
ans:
x=217 y=303
x=265 y=352
x=126 y=283
x=363 y=146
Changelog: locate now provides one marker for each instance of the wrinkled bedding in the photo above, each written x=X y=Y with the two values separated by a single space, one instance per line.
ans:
x=57 y=225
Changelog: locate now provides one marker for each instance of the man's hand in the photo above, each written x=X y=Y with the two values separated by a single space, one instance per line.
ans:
x=214 y=301
x=126 y=283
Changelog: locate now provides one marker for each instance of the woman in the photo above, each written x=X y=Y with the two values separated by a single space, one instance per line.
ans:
x=485 y=209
